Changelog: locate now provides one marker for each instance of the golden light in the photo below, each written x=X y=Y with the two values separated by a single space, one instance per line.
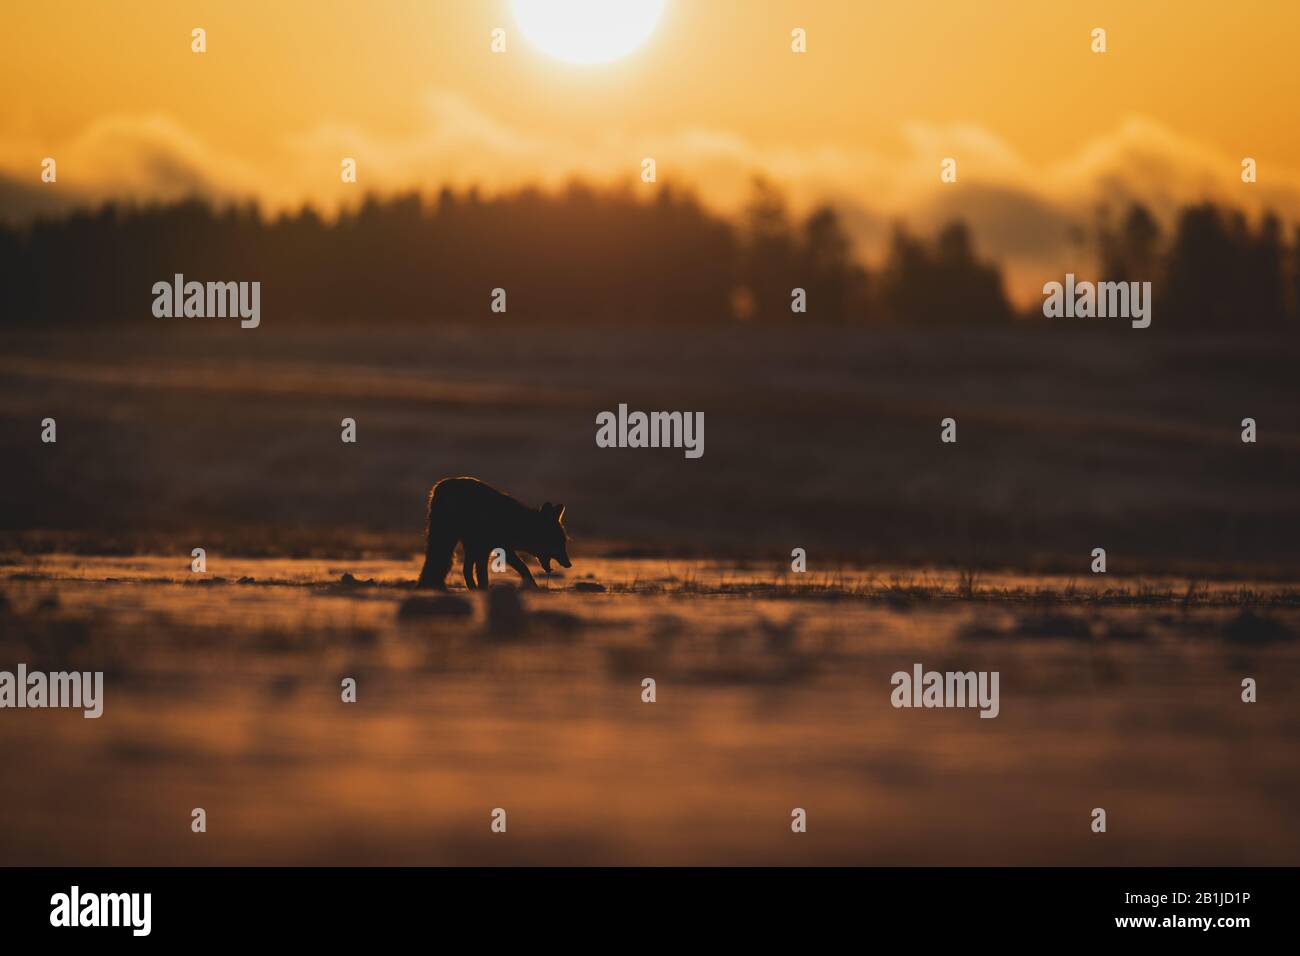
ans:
x=587 y=31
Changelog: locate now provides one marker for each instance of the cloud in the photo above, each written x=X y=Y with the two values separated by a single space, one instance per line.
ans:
x=138 y=158
x=1028 y=217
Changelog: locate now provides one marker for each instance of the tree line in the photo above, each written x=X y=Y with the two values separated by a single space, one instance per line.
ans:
x=584 y=253
x=1214 y=270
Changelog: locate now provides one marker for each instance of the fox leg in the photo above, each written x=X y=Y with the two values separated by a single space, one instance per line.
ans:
x=468 y=569
x=517 y=563
x=481 y=568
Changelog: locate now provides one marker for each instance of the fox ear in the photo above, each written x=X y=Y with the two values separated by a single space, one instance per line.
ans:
x=547 y=508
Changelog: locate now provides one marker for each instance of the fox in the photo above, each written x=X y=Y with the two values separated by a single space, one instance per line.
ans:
x=481 y=518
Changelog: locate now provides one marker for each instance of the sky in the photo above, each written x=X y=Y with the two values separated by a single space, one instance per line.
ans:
x=1042 y=128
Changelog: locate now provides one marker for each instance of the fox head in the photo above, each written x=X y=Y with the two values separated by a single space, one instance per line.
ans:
x=552 y=544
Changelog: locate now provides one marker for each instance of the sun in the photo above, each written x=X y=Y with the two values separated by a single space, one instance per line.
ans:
x=587 y=31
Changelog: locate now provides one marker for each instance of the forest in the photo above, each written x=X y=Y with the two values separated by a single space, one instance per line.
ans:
x=600 y=255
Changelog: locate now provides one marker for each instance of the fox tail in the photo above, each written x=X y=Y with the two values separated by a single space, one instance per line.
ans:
x=440 y=546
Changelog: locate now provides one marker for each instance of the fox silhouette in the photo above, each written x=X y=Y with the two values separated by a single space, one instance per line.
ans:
x=481 y=518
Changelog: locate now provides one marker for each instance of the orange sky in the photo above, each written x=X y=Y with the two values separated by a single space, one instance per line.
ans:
x=1041 y=127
